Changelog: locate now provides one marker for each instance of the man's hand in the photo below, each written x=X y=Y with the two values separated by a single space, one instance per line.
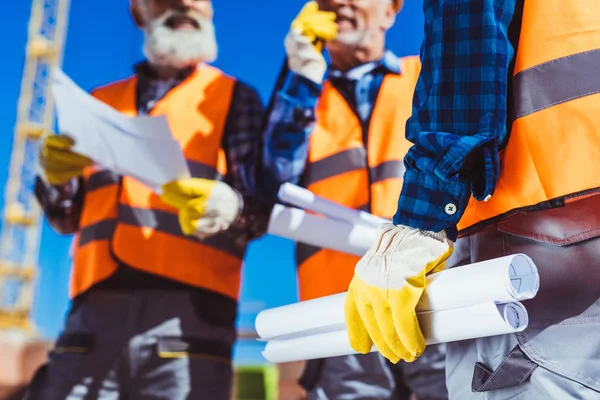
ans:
x=206 y=207
x=303 y=42
x=59 y=162
x=387 y=285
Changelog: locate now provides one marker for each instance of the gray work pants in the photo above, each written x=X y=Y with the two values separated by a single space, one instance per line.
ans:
x=142 y=344
x=370 y=376
x=558 y=355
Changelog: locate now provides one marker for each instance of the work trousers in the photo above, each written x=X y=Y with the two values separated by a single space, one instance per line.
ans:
x=558 y=355
x=141 y=344
x=371 y=377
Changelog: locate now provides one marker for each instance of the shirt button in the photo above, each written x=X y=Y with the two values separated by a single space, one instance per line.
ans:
x=450 y=209
x=487 y=198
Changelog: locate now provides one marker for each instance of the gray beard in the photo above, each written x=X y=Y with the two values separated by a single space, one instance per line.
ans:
x=166 y=47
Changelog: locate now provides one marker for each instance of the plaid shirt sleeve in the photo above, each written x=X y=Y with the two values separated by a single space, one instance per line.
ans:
x=243 y=146
x=289 y=126
x=61 y=204
x=459 y=111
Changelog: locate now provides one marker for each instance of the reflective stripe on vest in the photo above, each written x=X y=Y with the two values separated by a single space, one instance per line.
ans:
x=344 y=169
x=552 y=152
x=134 y=224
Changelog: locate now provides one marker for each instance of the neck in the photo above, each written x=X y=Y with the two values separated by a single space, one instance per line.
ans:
x=344 y=57
x=166 y=73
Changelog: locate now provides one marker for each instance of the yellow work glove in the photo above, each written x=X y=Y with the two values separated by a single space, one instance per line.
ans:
x=303 y=43
x=59 y=162
x=387 y=285
x=206 y=207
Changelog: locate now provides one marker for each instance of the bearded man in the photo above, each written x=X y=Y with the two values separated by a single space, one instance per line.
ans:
x=155 y=278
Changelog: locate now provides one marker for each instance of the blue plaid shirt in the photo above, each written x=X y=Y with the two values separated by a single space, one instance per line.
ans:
x=459 y=111
x=292 y=119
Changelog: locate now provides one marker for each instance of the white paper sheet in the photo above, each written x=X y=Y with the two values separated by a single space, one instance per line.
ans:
x=297 y=225
x=501 y=280
x=141 y=147
x=480 y=320
x=307 y=200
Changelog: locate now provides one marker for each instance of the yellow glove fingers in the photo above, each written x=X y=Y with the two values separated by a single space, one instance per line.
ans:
x=59 y=178
x=359 y=338
x=385 y=321
x=178 y=193
x=196 y=207
x=187 y=224
x=367 y=315
x=404 y=317
x=62 y=158
x=60 y=142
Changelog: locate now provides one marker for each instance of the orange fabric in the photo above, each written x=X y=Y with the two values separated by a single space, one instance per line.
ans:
x=551 y=153
x=93 y=262
x=196 y=111
x=338 y=130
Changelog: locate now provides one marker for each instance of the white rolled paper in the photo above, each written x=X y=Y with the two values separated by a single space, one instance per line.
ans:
x=501 y=280
x=307 y=200
x=476 y=321
x=297 y=225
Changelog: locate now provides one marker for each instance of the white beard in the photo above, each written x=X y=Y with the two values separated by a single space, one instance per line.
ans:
x=166 y=47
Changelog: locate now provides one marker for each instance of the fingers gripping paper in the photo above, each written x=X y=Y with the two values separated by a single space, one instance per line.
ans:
x=141 y=147
x=477 y=300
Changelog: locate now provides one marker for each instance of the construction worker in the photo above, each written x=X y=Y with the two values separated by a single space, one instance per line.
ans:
x=343 y=138
x=155 y=279
x=506 y=143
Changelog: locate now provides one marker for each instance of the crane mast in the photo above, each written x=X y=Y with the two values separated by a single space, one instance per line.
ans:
x=22 y=219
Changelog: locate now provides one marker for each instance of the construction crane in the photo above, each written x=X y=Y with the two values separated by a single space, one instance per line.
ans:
x=21 y=222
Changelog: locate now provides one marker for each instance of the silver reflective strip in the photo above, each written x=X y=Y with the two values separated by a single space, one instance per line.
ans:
x=165 y=222
x=102 y=230
x=556 y=81
x=199 y=170
x=101 y=179
x=387 y=170
x=336 y=164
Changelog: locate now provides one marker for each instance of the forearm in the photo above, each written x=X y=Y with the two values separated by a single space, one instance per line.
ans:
x=459 y=112
x=62 y=205
x=252 y=222
x=289 y=127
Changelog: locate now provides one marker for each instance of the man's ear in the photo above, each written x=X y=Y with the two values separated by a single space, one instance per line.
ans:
x=390 y=15
x=136 y=13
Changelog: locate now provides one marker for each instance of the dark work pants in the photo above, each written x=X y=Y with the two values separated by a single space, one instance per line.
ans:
x=141 y=344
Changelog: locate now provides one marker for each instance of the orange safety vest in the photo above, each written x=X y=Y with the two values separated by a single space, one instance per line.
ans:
x=553 y=152
x=123 y=221
x=343 y=168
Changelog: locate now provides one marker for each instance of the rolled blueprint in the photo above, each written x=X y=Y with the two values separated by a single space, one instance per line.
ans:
x=307 y=200
x=297 y=225
x=501 y=280
x=476 y=321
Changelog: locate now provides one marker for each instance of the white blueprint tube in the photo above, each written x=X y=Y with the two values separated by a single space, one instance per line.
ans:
x=297 y=225
x=307 y=200
x=501 y=280
x=476 y=321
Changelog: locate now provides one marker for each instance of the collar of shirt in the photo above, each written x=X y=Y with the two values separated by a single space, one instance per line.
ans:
x=389 y=63
x=151 y=89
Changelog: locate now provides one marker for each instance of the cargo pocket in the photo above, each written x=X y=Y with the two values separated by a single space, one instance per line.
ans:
x=74 y=342
x=512 y=371
x=564 y=318
x=193 y=347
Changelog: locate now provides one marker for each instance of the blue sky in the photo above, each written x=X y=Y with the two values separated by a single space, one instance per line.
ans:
x=102 y=45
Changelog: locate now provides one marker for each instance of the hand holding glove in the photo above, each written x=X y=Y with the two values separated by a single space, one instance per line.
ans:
x=302 y=42
x=206 y=207
x=59 y=162
x=387 y=285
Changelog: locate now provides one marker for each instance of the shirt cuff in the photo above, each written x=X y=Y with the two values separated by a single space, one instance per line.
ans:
x=302 y=89
x=430 y=203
